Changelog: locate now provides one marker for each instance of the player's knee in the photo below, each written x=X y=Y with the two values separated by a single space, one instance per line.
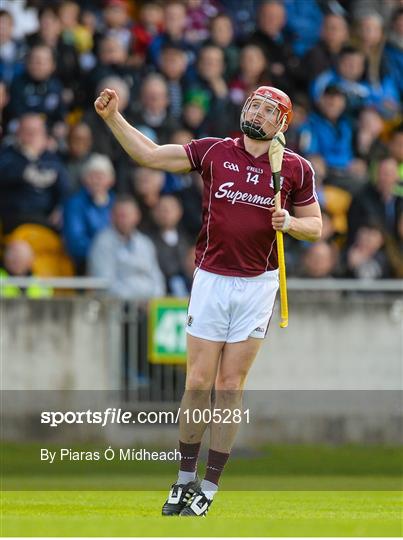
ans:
x=230 y=381
x=198 y=380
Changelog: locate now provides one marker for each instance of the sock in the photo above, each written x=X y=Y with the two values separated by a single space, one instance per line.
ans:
x=215 y=464
x=189 y=454
x=184 y=477
x=209 y=489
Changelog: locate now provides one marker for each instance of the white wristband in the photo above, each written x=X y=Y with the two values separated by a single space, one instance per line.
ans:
x=287 y=221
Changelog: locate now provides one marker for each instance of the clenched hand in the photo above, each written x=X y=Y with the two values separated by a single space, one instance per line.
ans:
x=107 y=103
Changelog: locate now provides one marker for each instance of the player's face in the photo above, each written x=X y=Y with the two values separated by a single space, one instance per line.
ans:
x=265 y=114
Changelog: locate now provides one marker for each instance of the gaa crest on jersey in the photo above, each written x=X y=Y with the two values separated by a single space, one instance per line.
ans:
x=272 y=182
x=231 y=166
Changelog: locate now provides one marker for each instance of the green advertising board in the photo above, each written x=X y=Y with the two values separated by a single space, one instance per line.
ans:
x=166 y=330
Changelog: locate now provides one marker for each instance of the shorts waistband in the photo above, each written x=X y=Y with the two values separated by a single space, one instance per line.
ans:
x=265 y=276
x=270 y=274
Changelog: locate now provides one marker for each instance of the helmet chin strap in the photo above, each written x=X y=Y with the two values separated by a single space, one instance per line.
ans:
x=254 y=132
x=257 y=133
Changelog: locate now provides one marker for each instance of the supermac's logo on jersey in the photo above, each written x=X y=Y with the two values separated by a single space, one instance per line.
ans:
x=231 y=166
x=281 y=182
x=242 y=197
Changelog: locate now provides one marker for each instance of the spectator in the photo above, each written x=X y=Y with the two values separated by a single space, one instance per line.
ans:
x=222 y=35
x=376 y=203
x=33 y=181
x=370 y=40
x=319 y=261
x=117 y=21
x=367 y=143
x=173 y=64
x=253 y=72
x=270 y=22
x=324 y=55
x=210 y=71
x=113 y=62
x=170 y=242
x=18 y=261
x=366 y=258
x=73 y=32
x=145 y=30
x=359 y=8
x=153 y=110
x=11 y=50
x=88 y=211
x=79 y=145
x=328 y=132
x=198 y=15
x=65 y=55
x=126 y=257
x=195 y=110
x=147 y=187
x=24 y=16
x=243 y=14
x=38 y=90
x=394 y=50
x=174 y=32
x=348 y=76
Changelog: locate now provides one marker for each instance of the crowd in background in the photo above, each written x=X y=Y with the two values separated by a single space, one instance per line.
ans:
x=73 y=203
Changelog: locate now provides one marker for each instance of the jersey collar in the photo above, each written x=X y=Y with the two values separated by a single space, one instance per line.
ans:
x=263 y=158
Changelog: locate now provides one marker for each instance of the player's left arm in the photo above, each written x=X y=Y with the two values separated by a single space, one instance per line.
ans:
x=304 y=224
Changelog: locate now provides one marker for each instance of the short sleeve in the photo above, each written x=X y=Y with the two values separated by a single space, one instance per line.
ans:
x=304 y=192
x=197 y=151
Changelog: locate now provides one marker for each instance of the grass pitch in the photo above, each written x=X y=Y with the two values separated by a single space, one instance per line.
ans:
x=293 y=491
x=251 y=513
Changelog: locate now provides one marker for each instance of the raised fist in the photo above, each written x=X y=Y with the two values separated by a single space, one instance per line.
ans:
x=106 y=103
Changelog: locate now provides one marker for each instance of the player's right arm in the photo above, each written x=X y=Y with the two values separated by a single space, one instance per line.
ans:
x=167 y=157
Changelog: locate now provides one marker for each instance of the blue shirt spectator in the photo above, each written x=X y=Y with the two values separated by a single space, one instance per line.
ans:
x=328 y=132
x=304 y=21
x=393 y=51
x=360 y=92
x=88 y=212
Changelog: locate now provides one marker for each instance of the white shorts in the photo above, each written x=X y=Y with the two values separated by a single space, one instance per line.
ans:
x=231 y=309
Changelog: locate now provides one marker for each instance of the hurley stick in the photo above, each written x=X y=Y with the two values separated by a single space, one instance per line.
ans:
x=276 y=152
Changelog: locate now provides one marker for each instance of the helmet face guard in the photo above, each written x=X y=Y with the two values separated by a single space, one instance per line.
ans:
x=255 y=110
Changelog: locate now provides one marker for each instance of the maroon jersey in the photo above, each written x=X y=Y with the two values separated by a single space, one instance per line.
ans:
x=237 y=237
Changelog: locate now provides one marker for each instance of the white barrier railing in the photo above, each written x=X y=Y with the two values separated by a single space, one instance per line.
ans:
x=293 y=284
